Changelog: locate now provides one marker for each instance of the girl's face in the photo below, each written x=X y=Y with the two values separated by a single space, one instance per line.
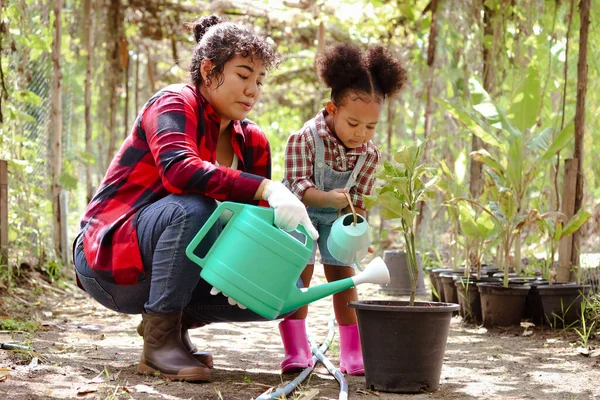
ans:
x=240 y=88
x=354 y=122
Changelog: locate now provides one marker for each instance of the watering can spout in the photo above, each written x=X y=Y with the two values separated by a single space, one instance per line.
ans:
x=375 y=272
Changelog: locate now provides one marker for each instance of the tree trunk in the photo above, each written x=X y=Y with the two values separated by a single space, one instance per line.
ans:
x=115 y=24
x=431 y=49
x=126 y=116
x=584 y=17
x=565 y=246
x=3 y=213
x=137 y=81
x=55 y=133
x=476 y=179
x=88 y=42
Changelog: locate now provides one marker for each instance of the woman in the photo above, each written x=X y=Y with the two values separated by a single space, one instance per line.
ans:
x=190 y=146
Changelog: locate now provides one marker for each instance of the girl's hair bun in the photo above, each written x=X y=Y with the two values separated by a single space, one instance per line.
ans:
x=340 y=66
x=201 y=25
x=387 y=72
x=345 y=68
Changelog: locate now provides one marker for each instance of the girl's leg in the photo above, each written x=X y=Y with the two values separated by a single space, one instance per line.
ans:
x=343 y=314
x=351 y=360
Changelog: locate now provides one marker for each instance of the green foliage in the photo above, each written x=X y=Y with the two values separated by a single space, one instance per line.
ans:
x=528 y=64
x=557 y=226
x=405 y=184
x=478 y=227
x=10 y=324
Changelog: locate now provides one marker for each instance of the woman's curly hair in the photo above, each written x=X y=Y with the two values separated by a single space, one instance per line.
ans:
x=345 y=68
x=219 y=40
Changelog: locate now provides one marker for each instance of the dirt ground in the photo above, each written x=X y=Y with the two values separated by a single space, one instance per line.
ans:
x=88 y=352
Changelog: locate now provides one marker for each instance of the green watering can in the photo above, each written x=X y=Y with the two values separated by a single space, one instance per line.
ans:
x=258 y=264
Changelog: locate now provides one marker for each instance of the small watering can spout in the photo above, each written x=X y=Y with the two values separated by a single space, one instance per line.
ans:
x=375 y=272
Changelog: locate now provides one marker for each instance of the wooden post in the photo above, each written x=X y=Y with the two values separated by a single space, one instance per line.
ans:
x=565 y=246
x=3 y=212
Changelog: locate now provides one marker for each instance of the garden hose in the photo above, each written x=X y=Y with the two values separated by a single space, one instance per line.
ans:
x=318 y=355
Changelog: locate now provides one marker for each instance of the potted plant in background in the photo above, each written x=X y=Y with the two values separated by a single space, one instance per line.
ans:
x=477 y=228
x=451 y=185
x=404 y=342
x=520 y=150
x=503 y=304
x=558 y=303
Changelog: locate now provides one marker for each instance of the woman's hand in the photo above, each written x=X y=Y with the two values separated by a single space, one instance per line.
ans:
x=289 y=211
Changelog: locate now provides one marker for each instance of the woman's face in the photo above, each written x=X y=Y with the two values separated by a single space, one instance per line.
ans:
x=355 y=120
x=240 y=88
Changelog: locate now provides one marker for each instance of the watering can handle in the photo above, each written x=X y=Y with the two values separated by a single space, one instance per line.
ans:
x=235 y=208
x=351 y=207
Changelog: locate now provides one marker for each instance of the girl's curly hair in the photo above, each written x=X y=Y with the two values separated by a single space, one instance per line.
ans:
x=345 y=68
x=219 y=40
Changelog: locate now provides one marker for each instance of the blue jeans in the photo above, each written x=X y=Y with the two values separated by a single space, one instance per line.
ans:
x=173 y=282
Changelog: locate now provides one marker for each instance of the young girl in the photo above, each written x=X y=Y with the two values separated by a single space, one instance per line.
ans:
x=330 y=156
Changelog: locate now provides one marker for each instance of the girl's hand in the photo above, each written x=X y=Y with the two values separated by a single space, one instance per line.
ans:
x=337 y=198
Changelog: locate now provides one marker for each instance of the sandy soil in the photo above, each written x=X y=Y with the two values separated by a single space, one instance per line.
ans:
x=89 y=352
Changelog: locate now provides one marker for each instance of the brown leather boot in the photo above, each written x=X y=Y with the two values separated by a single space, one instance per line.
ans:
x=164 y=351
x=187 y=323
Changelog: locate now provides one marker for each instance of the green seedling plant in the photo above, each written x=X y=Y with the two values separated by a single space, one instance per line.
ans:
x=451 y=186
x=518 y=148
x=478 y=228
x=586 y=331
x=404 y=187
x=557 y=226
x=555 y=318
x=508 y=223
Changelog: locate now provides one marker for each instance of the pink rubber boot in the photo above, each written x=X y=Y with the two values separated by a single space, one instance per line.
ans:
x=351 y=359
x=297 y=352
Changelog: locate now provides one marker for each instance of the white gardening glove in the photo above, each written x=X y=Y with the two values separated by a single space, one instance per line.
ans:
x=289 y=211
x=214 y=291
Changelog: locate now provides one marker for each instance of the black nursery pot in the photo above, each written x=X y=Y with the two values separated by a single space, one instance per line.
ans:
x=502 y=306
x=403 y=347
x=468 y=297
x=561 y=302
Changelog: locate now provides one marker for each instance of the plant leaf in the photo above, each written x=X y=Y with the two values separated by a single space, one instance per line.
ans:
x=522 y=112
x=563 y=139
x=576 y=222
x=474 y=126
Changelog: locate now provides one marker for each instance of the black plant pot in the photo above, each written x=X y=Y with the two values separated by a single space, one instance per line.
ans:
x=400 y=283
x=438 y=283
x=432 y=280
x=502 y=306
x=447 y=281
x=403 y=346
x=561 y=303
x=468 y=297
x=533 y=303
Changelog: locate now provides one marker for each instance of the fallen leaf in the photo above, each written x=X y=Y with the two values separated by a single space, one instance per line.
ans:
x=527 y=333
x=145 y=389
x=4 y=373
x=309 y=394
x=86 y=390
x=96 y=380
x=584 y=351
